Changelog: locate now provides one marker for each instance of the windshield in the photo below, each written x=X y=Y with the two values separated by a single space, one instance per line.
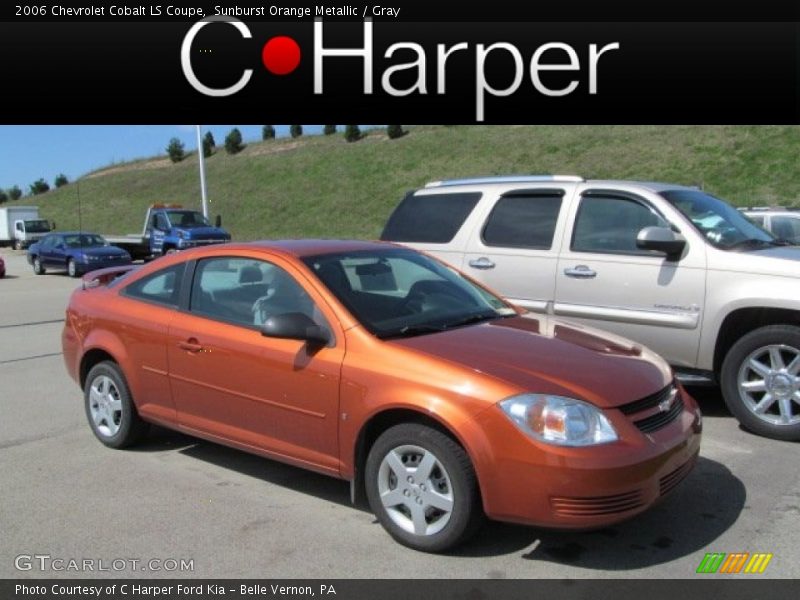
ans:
x=37 y=226
x=83 y=240
x=397 y=292
x=721 y=224
x=186 y=219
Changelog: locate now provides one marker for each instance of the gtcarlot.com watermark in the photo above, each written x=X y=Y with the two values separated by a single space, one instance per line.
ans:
x=58 y=564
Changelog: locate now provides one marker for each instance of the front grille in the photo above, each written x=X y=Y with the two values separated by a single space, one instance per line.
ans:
x=597 y=505
x=670 y=480
x=647 y=402
x=655 y=421
x=661 y=419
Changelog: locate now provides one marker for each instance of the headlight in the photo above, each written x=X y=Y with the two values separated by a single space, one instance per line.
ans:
x=558 y=420
x=89 y=258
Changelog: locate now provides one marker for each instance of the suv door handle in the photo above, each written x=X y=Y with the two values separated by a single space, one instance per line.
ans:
x=190 y=345
x=481 y=263
x=580 y=272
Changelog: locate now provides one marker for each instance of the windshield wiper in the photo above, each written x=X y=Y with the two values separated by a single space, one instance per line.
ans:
x=475 y=318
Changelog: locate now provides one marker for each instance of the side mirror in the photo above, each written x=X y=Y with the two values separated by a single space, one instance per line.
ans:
x=661 y=239
x=295 y=326
x=218 y=221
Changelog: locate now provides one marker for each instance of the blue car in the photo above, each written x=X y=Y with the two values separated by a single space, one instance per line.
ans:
x=76 y=252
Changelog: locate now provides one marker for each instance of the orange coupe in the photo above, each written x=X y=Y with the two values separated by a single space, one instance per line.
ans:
x=377 y=364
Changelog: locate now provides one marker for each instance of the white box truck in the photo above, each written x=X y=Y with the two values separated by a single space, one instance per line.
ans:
x=20 y=226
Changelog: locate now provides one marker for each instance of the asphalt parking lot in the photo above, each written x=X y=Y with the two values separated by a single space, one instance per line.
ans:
x=234 y=515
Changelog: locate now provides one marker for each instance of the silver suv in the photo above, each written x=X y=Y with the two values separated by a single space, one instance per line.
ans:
x=783 y=223
x=669 y=266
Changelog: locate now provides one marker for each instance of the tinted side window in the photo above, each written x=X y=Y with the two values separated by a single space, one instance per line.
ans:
x=431 y=218
x=162 y=287
x=247 y=292
x=523 y=221
x=786 y=228
x=611 y=224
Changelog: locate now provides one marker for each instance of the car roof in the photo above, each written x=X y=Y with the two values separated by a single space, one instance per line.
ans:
x=312 y=247
x=517 y=180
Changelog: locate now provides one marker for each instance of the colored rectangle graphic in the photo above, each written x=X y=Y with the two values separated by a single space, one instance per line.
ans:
x=735 y=562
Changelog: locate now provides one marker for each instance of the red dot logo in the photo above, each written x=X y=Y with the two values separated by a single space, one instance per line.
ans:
x=281 y=55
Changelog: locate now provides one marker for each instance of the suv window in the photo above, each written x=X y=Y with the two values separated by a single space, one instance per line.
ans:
x=610 y=224
x=523 y=221
x=431 y=218
x=162 y=287
x=787 y=228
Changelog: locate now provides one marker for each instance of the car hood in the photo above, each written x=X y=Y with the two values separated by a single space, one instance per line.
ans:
x=545 y=355
x=777 y=260
x=203 y=233
x=101 y=251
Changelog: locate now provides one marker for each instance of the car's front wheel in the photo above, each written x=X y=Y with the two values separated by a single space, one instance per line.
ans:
x=761 y=381
x=72 y=270
x=110 y=409
x=422 y=487
x=37 y=266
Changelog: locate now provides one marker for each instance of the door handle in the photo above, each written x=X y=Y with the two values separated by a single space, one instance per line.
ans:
x=481 y=263
x=580 y=272
x=190 y=345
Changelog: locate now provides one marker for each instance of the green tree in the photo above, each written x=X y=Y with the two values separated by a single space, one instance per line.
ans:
x=395 y=131
x=15 y=193
x=295 y=130
x=208 y=144
x=3 y=196
x=61 y=180
x=233 y=142
x=329 y=129
x=268 y=132
x=175 y=150
x=40 y=186
x=352 y=133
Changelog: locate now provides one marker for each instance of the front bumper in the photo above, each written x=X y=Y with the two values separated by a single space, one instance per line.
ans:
x=86 y=267
x=185 y=244
x=584 y=488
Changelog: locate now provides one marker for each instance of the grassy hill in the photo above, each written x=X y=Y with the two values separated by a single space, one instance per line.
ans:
x=323 y=186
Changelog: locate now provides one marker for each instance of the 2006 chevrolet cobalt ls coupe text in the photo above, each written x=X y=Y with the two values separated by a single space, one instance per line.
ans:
x=380 y=365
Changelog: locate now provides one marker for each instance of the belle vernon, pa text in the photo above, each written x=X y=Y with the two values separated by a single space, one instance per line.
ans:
x=171 y=591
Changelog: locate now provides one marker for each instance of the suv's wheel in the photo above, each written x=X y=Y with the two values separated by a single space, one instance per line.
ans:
x=37 y=266
x=109 y=407
x=761 y=381
x=422 y=487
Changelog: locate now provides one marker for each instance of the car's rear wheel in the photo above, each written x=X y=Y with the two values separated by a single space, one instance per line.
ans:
x=422 y=487
x=761 y=381
x=72 y=270
x=37 y=266
x=110 y=409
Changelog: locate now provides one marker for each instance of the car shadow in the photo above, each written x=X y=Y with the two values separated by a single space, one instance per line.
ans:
x=710 y=401
x=702 y=508
x=264 y=469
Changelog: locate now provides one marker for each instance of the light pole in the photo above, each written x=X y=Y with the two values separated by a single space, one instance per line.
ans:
x=202 y=161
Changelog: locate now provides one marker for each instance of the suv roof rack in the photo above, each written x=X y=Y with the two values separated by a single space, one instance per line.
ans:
x=504 y=179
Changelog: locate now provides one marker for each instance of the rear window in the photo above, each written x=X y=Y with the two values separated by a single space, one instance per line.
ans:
x=429 y=218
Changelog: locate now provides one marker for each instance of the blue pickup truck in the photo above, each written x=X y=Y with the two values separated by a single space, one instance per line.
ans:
x=169 y=228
